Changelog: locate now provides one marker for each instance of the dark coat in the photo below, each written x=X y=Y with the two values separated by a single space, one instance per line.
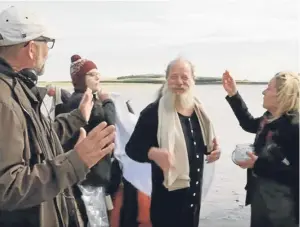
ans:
x=178 y=207
x=35 y=172
x=275 y=141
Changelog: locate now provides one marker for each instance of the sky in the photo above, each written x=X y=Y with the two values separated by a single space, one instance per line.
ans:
x=252 y=39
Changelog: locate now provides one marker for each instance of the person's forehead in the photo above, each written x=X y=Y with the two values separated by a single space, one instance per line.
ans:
x=272 y=83
x=93 y=71
x=180 y=65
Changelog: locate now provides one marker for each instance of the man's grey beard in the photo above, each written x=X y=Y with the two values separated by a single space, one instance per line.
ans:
x=40 y=70
x=185 y=100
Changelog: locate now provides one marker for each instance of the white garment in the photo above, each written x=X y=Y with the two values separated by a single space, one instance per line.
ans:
x=95 y=206
x=138 y=174
x=48 y=109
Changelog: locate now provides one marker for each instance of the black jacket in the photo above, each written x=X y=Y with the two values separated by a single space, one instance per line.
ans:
x=102 y=111
x=65 y=96
x=274 y=142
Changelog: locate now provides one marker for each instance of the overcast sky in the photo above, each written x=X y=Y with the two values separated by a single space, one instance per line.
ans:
x=253 y=39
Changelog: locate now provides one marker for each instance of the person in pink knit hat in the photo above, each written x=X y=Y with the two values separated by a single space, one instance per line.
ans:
x=85 y=75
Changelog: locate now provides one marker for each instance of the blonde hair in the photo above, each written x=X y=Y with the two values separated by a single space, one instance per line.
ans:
x=288 y=86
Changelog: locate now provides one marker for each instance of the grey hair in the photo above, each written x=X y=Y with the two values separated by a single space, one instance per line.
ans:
x=169 y=66
x=173 y=62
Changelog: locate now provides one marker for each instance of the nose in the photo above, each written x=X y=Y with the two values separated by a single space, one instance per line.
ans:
x=98 y=76
x=264 y=92
x=179 y=81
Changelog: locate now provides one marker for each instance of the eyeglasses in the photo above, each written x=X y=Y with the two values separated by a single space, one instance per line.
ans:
x=93 y=74
x=50 y=42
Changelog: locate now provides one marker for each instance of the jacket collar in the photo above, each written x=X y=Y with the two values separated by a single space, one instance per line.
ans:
x=20 y=85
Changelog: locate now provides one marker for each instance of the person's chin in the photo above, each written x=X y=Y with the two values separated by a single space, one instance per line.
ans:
x=179 y=92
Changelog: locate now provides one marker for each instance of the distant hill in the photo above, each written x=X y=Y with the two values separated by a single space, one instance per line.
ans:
x=158 y=79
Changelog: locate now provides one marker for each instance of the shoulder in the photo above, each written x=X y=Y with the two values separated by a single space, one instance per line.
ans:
x=74 y=101
x=293 y=122
x=65 y=95
x=6 y=94
x=150 y=109
x=8 y=105
x=288 y=127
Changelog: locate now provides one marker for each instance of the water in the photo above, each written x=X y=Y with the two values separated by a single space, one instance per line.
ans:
x=224 y=203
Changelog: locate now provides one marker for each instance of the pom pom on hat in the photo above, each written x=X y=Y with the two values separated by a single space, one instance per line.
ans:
x=75 y=57
x=78 y=69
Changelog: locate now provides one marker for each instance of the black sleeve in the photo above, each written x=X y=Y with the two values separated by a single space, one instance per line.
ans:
x=116 y=178
x=65 y=95
x=246 y=120
x=109 y=111
x=102 y=172
x=144 y=134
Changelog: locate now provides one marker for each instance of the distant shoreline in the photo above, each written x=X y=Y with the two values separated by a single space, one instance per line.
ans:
x=124 y=82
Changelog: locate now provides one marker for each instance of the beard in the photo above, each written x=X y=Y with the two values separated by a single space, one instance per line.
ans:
x=40 y=62
x=40 y=70
x=185 y=100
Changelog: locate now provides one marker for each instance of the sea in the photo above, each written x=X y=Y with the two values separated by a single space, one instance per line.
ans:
x=224 y=204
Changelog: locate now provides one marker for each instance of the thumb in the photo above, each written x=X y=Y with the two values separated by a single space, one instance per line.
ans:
x=87 y=96
x=82 y=135
x=215 y=143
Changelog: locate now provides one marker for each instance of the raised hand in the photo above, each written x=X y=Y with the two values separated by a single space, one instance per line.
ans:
x=103 y=95
x=98 y=143
x=86 y=104
x=229 y=84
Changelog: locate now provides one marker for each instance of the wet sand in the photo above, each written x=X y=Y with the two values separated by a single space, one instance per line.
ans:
x=224 y=203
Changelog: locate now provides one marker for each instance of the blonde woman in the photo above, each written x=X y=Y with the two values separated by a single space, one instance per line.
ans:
x=273 y=169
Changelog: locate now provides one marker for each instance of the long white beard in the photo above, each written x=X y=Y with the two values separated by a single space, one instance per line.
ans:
x=185 y=100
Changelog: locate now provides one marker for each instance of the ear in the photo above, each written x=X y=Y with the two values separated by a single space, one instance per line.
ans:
x=31 y=49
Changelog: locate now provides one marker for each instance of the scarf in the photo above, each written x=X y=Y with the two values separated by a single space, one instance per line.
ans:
x=171 y=137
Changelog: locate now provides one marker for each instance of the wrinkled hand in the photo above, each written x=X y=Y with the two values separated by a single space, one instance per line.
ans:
x=229 y=84
x=86 y=104
x=98 y=143
x=215 y=154
x=249 y=163
x=161 y=157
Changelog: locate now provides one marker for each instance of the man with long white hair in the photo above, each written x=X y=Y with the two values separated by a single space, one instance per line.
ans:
x=173 y=134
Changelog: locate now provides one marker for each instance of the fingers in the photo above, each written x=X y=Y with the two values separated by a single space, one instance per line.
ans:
x=214 y=153
x=101 y=153
x=243 y=164
x=252 y=156
x=215 y=144
x=108 y=138
x=82 y=135
x=227 y=77
x=108 y=149
x=97 y=129
x=213 y=156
